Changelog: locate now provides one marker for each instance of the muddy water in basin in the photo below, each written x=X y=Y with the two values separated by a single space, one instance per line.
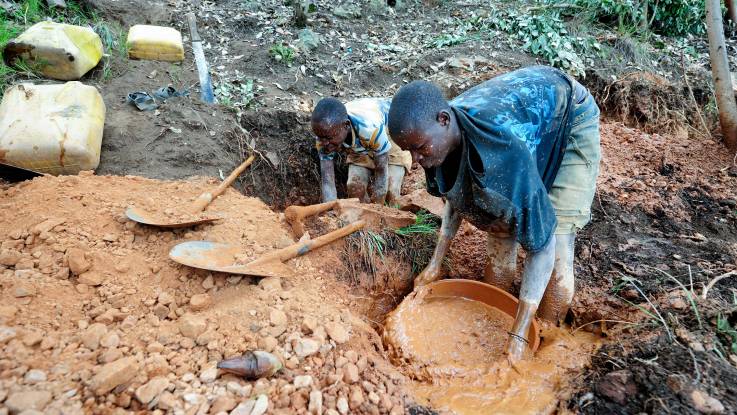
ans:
x=453 y=348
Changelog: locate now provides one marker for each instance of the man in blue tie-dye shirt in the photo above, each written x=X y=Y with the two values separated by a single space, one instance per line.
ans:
x=359 y=128
x=518 y=157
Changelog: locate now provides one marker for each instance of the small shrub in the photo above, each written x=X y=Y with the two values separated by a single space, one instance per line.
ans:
x=283 y=54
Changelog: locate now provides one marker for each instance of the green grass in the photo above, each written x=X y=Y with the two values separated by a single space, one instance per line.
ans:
x=425 y=223
x=283 y=54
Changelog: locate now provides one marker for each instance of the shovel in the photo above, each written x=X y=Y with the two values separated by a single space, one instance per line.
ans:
x=153 y=219
x=219 y=257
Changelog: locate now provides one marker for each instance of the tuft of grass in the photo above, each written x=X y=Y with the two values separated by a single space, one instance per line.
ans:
x=425 y=223
x=283 y=54
x=727 y=332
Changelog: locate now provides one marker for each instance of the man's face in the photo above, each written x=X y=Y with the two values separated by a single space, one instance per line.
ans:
x=430 y=145
x=331 y=135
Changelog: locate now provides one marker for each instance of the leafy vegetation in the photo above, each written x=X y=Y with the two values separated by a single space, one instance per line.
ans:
x=237 y=95
x=727 y=333
x=283 y=54
x=424 y=223
x=667 y=17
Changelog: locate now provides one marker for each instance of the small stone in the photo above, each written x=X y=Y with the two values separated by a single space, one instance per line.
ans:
x=209 y=375
x=21 y=401
x=192 y=326
x=706 y=404
x=167 y=401
x=278 y=318
x=91 y=278
x=161 y=311
x=110 y=355
x=110 y=340
x=617 y=386
x=337 y=332
x=374 y=398
x=152 y=389
x=23 y=289
x=268 y=344
x=32 y=338
x=302 y=381
x=270 y=284
x=309 y=324
x=110 y=237
x=261 y=406
x=244 y=408
x=199 y=302
x=222 y=403
x=235 y=388
x=342 y=405
x=356 y=398
x=155 y=347
x=350 y=374
x=78 y=264
x=352 y=356
x=306 y=347
x=113 y=374
x=208 y=282
x=9 y=258
x=92 y=336
x=165 y=298
x=8 y=311
x=315 y=402
x=35 y=376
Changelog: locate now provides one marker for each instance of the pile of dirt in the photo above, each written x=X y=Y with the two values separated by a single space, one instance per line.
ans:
x=96 y=318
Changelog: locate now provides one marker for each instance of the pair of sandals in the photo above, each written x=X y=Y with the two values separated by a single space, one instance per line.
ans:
x=147 y=102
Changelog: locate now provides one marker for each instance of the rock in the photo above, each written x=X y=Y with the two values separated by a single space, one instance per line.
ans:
x=342 y=405
x=374 y=398
x=337 y=332
x=152 y=389
x=113 y=374
x=706 y=404
x=110 y=355
x=32 y=338
x=350 y=11
x=302 y=381
x=222 y=403
x=209 y=375
x=78 y=264
x=192 y=326
x=92 y=336
x=199 y=302
x=8 y=311
x=261 y=405
x=617 y=386
x=278 y=318
x=208 y=282
x=47 y=225
x=309 y=324
x=91 y=278
x=9 y=258
x=155 y=347
x=268 y=343
x=315 y=402
x=7 y=334
x=352 y=356
x=244 y=408
x=309 y=39
x=20 y=401
x=356 y=397
x=270 y=284
x=165 y=298
x=421 y=199
x=236 y=389
x=110 y=340
x=167 y=401
x=25 y=264
x=161 y=311
x=306 y=347
x=35 y=376
x=23 y=289
x=350 y=374
x=109 y=237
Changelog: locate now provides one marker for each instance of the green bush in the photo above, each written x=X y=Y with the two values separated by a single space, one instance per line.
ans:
x=667 y=17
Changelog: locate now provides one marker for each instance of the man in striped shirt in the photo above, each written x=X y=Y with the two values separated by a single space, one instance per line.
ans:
x=359 y=128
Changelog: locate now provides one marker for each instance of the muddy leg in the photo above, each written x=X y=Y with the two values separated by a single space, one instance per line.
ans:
x=501 y=261
x=559 y=294
x=358 y=179
x=396 y=176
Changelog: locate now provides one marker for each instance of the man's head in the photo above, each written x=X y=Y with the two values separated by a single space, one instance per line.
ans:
x=421 y=122
x=330 y=123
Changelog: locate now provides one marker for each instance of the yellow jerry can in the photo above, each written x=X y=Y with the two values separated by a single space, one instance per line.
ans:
x=56 y=50
x=155 y=43
x=54 y=129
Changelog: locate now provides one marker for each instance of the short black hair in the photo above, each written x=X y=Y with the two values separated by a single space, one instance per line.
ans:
x=415 y=106
x=329 y=111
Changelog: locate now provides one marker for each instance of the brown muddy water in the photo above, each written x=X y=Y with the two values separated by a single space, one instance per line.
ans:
x=453 y=349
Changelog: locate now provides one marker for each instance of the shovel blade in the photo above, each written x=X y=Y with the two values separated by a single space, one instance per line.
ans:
x=217 y=257
x=150 y=219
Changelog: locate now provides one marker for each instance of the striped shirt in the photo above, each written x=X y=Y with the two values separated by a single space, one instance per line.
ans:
x=369 y=118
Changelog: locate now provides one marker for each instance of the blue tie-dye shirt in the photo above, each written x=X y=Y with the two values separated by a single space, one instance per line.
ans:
x=515 y=128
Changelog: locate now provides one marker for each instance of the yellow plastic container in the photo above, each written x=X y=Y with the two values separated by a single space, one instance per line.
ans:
x=155 y=43
x=58 y=51
x=54 y=129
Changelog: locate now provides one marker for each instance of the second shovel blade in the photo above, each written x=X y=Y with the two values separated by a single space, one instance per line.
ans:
x=151 y=219
x=218 y=257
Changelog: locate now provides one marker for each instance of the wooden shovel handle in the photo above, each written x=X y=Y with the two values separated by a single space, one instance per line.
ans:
x=302 y=248
x=206 y=198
